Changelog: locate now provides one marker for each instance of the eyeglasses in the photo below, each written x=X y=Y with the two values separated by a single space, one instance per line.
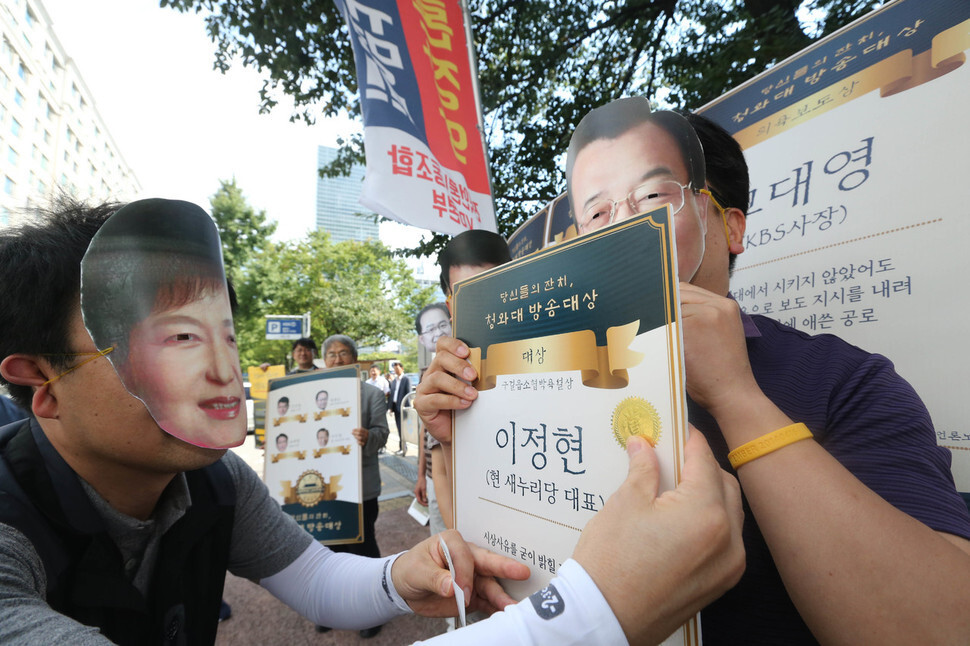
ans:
x=92 y=355
x=444 y=327
x=343 y=354
x=651 y=194
x=720 y=209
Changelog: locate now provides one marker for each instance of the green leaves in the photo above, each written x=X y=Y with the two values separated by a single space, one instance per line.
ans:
x=244 y=232
x=543 y=64
x=356 y=288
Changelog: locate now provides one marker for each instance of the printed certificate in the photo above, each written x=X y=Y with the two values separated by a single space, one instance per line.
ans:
x=313 y=461
x=577 y=348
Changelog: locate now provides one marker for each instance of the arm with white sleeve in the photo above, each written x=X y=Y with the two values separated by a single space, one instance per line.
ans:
x=643 y=566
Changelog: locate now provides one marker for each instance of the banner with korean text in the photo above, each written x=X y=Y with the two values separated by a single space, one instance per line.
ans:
x=426 y=161
x=859 y=217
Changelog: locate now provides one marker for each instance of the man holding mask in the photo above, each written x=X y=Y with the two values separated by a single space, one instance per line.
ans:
x=834 y=451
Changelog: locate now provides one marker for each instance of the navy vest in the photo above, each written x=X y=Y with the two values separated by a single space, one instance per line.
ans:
x=85 y=574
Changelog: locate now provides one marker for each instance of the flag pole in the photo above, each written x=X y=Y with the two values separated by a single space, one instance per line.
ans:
x=473 y=59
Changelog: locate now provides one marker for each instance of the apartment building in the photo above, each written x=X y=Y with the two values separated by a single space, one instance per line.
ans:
x=51 y=135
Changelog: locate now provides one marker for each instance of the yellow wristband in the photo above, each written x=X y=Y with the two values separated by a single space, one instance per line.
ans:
x=768 y=443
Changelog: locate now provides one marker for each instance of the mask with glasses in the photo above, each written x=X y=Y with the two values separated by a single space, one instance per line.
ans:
x=650 y=195
x=444 y=327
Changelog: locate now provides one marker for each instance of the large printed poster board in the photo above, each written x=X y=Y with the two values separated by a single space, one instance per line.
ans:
x=859 y=215
x=573 y=358
x=313 y=461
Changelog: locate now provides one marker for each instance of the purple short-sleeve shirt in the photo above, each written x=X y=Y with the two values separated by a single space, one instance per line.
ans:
x=871 y=420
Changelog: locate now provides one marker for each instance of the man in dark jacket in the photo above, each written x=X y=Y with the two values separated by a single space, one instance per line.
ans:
x=400 y=387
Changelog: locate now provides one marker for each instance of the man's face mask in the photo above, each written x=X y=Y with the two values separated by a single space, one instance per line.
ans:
x=656 y=160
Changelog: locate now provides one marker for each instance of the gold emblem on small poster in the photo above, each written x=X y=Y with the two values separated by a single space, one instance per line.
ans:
x=310 y=488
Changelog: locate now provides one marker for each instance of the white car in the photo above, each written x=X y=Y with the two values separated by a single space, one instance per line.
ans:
x=250 y=416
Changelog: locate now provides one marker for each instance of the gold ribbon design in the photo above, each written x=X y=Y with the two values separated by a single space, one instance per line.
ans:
x=320 y=414
x=601 y=366
x=343 y=449
x=290 y=418
x=900 y=72
x=299 y=455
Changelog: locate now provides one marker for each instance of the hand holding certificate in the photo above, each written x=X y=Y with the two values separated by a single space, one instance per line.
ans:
x=666 y=554
x=657 y=559
x=572 y=361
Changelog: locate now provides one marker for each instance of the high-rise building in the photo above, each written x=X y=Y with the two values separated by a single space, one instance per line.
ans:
x=51 y=135
x=427 y=273
x=338 y=210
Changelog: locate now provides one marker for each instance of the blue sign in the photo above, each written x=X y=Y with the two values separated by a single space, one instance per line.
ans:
x=284 y=328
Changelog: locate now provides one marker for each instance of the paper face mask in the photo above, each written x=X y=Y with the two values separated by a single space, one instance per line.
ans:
x=432 y=323
x=624 y=160
x=154 y=288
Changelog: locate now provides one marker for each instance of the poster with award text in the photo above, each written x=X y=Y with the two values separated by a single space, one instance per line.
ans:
x=313 y=461
x=577 y=348
x=850 y=230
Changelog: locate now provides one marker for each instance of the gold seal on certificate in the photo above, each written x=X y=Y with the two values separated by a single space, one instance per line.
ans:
x=309 y=488
x=636 y=416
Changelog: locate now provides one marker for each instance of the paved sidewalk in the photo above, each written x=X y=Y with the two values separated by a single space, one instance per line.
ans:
x=259 y=619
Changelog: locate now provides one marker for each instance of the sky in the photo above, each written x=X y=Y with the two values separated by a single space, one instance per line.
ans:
x=182 y=126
